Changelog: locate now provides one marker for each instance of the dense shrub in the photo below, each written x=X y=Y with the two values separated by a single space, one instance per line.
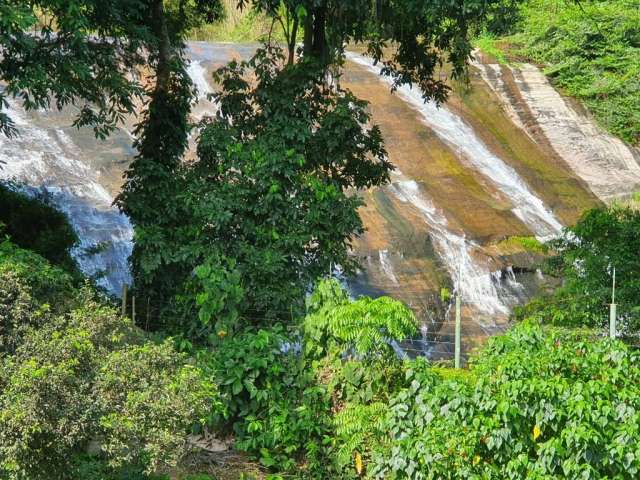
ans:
x=535 y=404
x=271 y=402
x=603 y=239
x=46 y=284
x=302 y=401
x=36 y=226
x=84 y=375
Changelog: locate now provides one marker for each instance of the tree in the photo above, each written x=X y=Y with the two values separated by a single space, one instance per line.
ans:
x=149 y=194
x=88 y=53
x=78 y=52
x=604 y=239
x=425 y=34
x=270 y=188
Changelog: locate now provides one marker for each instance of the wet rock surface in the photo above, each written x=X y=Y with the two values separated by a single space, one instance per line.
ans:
x=479 y=170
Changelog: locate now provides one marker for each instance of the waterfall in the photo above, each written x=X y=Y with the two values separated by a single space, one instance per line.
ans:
x=604 y=162
x=476 y=282
x=198 y=74
x=387 y=267
x=204 y=106
x=454 y=131
x=47 y=162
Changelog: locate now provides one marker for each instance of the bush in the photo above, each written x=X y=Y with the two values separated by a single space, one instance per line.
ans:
x=47 y=284
x=536 y=404
x=603 y=239
x=36 y=226
x=69 y=379
x=271 y=402
x=300 y=402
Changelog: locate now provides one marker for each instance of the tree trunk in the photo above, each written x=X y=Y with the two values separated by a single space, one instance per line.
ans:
x=319 y=37
x=308 y=34
x=292 y=41
x=163 y=69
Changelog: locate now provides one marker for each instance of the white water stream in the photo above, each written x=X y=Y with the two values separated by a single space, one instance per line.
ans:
x=47 y=162
x=476 y=282
x=453 y=130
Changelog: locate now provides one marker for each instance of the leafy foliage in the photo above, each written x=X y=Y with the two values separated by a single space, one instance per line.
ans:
x=35 y=276
x=540 y=404
x=36 y=226
x=426 y=33
x=78 y=52
x=365 y=326
x=270 y=191
x=77 y=373
x=270 y=401
x=603 y=239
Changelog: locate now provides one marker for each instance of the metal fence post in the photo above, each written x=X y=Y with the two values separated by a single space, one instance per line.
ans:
x=612 y=308
x=458 y=329
x=124 y=299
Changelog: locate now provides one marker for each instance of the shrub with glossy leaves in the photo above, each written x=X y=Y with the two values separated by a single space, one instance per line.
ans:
x=535 y=404
x=365 y=327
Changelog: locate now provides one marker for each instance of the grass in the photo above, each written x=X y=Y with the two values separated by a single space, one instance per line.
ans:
x=238 y=26
x=490 y=46
x=591 y=51
x=529 y=244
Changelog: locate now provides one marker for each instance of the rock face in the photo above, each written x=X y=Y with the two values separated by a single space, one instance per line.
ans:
x=467 y=177
x=482 y=168
x=610 y=168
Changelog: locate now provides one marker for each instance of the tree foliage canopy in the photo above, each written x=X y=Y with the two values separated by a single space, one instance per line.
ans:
x=79 y=52
x=604 y=239
x=270 y=189
x=414 y=38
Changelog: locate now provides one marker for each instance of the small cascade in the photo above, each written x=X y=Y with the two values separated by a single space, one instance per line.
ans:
x=387 y=267
x=46 y=162
x=454 y=131
x=204 y=107
x=198 y=75
x=476 y=282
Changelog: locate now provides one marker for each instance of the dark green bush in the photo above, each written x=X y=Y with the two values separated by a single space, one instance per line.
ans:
x=71 y=377
x=603 y=239
x=271 y=402
x=36 y=226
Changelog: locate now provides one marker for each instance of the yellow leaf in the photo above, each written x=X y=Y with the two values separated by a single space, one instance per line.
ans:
x=358 y=463
x=476 y=459
x=536 y=432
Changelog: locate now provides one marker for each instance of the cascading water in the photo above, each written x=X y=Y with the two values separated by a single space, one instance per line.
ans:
x=47 y=162
x=198 y=75
x=204 y=106
x=387 y=267
x=475 y=280
x=529 y=208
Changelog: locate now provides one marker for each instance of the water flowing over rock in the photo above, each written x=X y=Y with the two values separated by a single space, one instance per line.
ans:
x=472 y=277
x=46 y=161
x=605 y=163
x=467 y=179
x=453 y=130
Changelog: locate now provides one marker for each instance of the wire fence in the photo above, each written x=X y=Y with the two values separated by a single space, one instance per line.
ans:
x=453 y=331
